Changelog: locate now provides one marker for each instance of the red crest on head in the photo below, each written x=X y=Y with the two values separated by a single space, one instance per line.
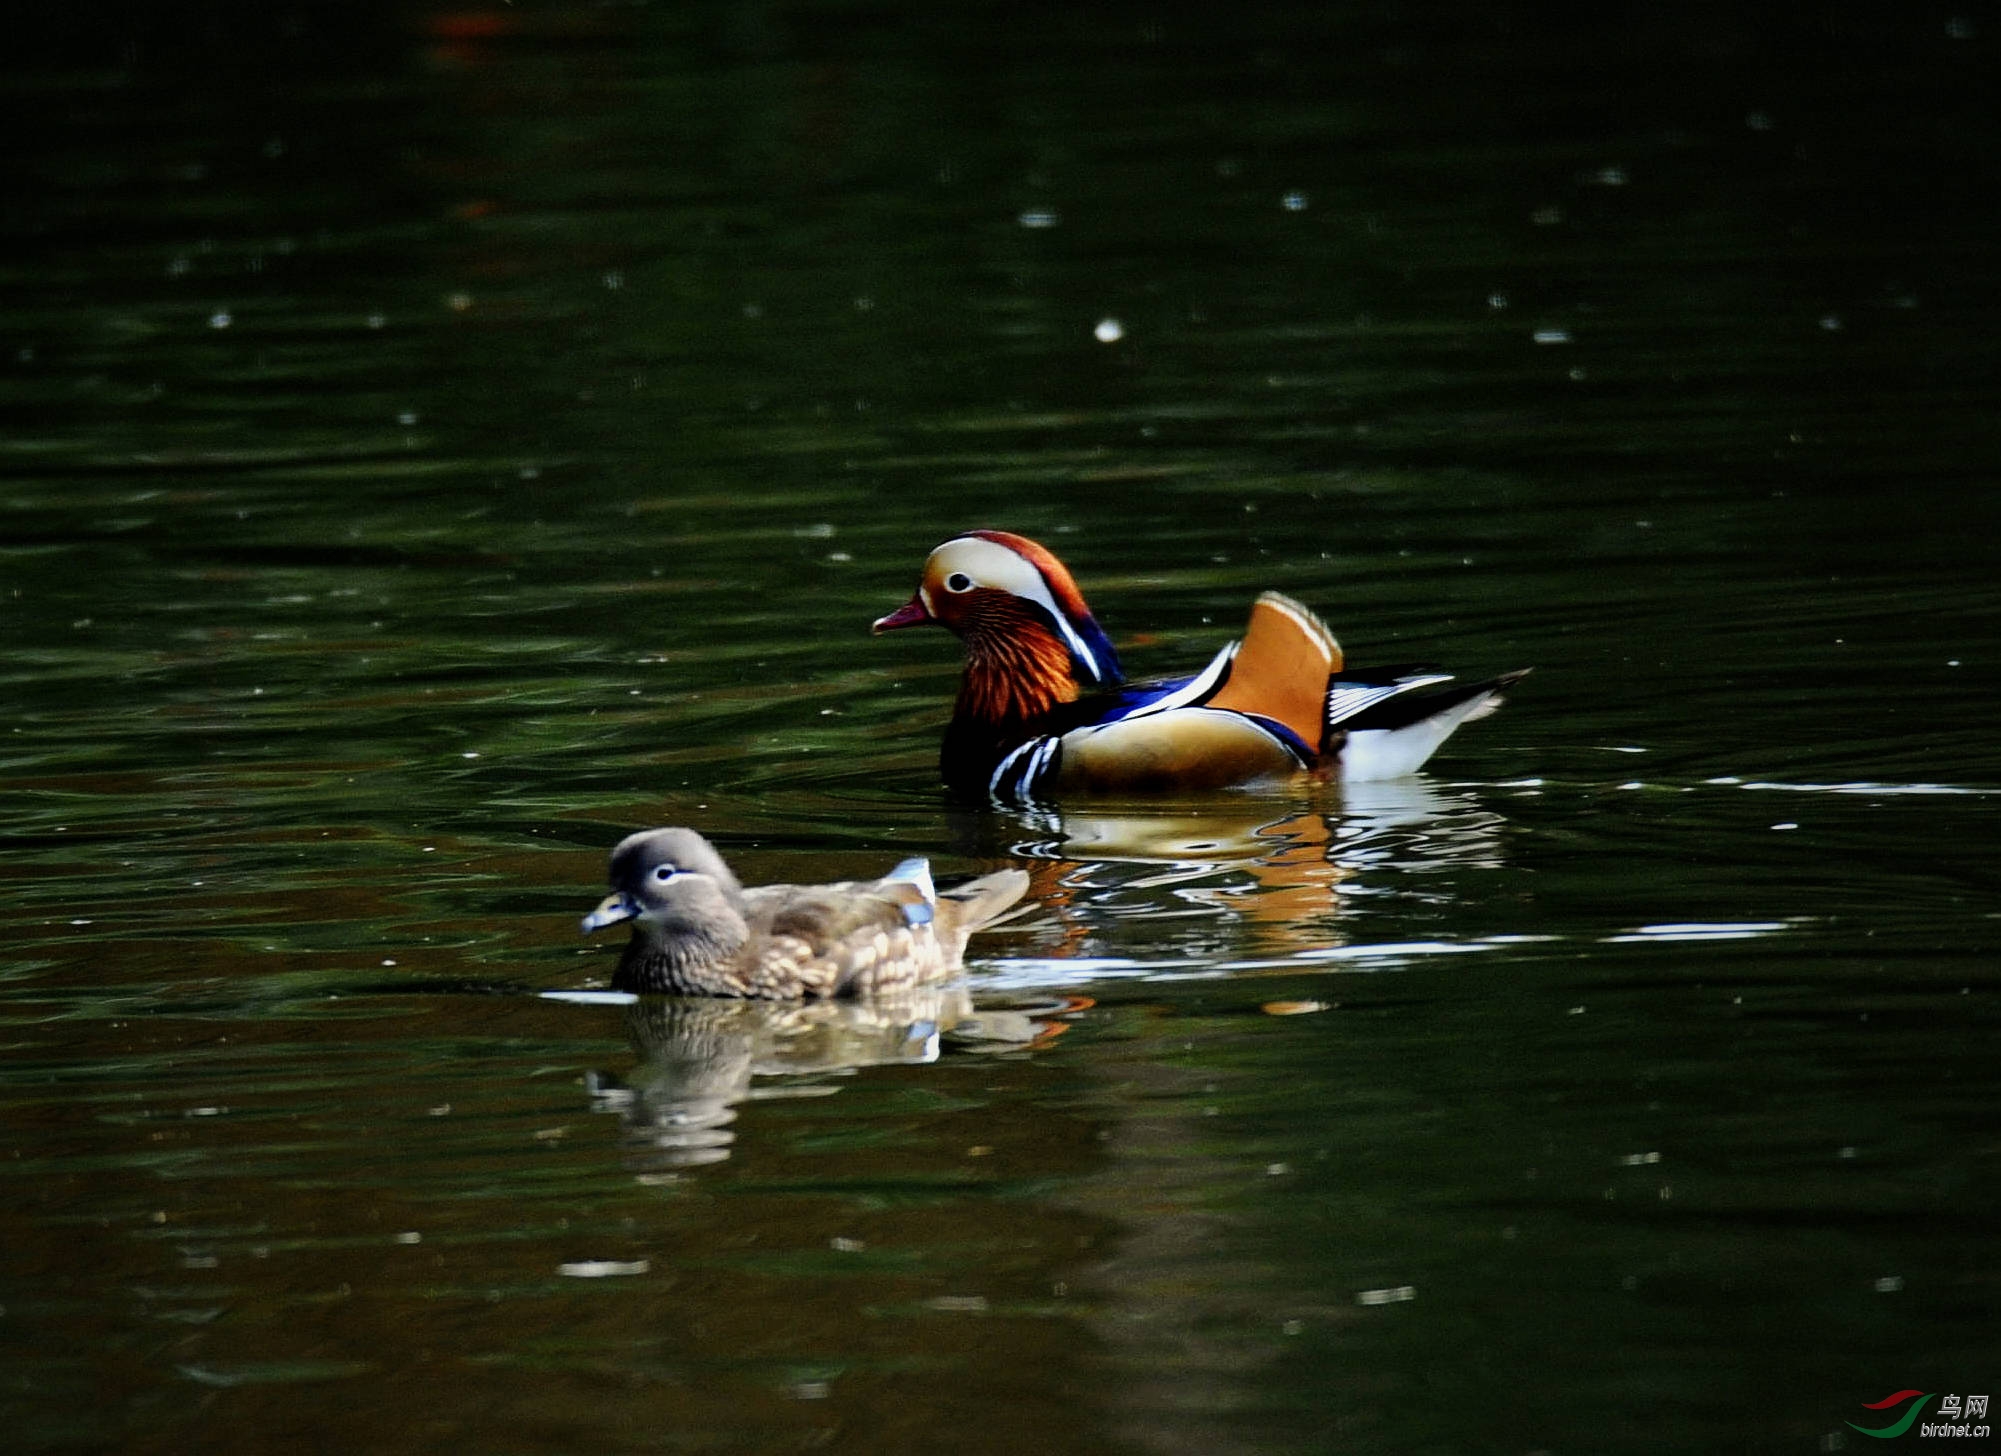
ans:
x=1061 y=585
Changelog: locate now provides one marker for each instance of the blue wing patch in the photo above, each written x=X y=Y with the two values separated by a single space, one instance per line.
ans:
x=916 y=872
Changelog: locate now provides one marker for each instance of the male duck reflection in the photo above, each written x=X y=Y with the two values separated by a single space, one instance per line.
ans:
x=1277 y=704
x=697 y=932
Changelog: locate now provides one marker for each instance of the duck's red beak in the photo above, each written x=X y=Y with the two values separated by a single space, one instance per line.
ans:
x=912 y=613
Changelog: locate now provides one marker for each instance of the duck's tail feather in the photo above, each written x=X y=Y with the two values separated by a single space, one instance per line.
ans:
x=1491 y=703
x=978 y=903
x=1391 y=737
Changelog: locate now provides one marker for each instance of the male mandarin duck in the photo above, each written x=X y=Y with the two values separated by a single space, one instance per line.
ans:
x=697 y=932
x=1043 y=709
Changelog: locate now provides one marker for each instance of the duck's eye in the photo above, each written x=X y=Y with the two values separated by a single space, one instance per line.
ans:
x=958 y=581
x=664 y=873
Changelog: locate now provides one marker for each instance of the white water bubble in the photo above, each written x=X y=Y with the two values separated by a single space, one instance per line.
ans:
x=603 y=1268
x=1400 y=1294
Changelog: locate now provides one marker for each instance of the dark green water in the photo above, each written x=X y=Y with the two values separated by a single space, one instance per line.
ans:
x=436 y=442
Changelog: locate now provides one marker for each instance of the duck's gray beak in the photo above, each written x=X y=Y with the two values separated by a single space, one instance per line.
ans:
x=611 y=910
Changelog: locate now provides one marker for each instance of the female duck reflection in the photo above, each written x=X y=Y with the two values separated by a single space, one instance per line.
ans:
x=699 y=1056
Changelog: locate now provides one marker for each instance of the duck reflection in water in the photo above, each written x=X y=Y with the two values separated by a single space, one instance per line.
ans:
x=1275 y=866
x=700 y=1056
x=1248 y=877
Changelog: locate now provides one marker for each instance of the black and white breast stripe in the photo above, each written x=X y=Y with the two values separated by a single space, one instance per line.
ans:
x=1015 y=776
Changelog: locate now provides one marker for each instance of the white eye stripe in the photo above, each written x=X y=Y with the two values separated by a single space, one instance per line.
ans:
x=993 y=564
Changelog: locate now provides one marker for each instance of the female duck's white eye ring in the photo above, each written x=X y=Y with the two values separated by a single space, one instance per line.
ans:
x=664 y=873
x=958 y=581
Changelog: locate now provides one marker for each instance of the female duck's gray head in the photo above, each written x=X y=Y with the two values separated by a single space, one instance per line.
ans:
x=670 y=880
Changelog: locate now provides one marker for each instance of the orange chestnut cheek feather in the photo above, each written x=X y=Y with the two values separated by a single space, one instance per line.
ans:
x=1015 y=666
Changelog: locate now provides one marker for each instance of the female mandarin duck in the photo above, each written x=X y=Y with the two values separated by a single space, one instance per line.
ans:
x=697 y=932
x=1044 y=711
